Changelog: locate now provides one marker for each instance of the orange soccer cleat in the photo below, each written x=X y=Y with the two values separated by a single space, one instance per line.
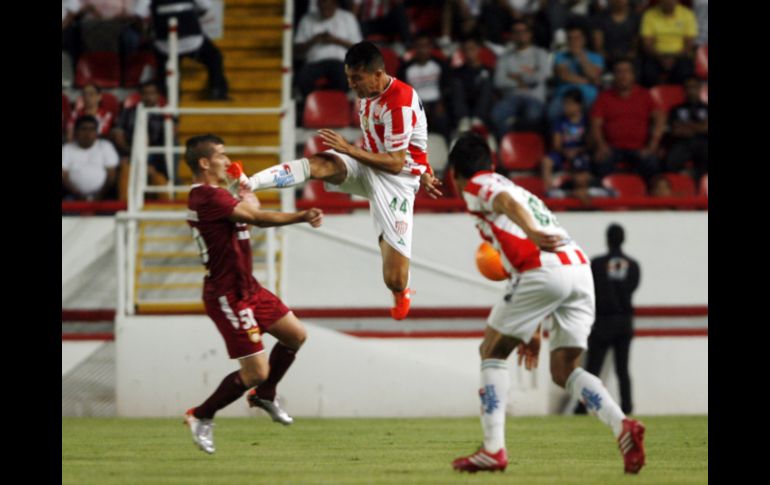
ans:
x=401 y=308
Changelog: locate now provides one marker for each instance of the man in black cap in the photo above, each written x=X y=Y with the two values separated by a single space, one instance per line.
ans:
x=616 y=277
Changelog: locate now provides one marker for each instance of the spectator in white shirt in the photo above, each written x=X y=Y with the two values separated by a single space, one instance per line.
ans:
x=88 y=165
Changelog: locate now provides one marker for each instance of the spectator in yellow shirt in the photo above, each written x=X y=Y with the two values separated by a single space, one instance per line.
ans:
x=668 y=35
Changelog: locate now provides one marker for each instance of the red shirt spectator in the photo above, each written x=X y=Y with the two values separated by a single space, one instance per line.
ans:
x=620 y=125
x=92 y=106
x=626 y=118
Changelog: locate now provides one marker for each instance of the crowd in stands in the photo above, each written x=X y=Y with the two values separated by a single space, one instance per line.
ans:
x=119 y=45
x=599 y=87
x=567 y=92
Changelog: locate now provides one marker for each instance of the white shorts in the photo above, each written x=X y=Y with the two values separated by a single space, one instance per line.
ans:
x=391 y=200
x=566 y=292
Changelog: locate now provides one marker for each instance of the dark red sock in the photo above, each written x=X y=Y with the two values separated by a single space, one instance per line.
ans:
x=228 y=391
x=281 y=358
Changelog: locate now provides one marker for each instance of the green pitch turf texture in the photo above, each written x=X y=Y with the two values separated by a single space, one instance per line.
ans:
x=552 y=450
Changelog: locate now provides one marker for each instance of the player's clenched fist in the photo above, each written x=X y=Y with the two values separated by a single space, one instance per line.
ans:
x=314 y=217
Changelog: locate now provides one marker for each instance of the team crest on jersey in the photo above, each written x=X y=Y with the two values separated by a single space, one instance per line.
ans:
x=401 y=227
x=377 y=111
x=254 y=335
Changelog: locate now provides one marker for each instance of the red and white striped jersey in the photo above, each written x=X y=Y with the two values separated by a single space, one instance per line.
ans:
x=517 y=252
x=395 y=120
x=374 y=9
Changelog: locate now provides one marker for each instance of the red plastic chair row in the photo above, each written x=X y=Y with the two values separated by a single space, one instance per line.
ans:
x=104 y=69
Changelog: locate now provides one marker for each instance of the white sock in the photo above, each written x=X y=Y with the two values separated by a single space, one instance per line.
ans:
x=282 y=175
x=590 y=391
x=494 y=396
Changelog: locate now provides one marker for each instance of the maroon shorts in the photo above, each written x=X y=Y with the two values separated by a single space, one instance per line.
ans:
x=243 y=321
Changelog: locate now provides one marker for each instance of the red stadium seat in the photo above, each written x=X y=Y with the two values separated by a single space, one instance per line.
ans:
x=108 y=102
x=449 y=188
x=668 y=95
x=355 y=120
x=704 y=185
x=135 y=67
x=392 y=62
x=702 y=62
x=681 y=185
x=625 y=185
x=100 y=68
x=326 y=109
x=521 y=151
x=532 y=183
x=314 y=190
x=314 y=145
x=425 y=19
x=486 y=56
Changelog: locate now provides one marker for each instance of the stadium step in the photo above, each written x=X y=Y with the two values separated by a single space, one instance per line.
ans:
x=168 y=267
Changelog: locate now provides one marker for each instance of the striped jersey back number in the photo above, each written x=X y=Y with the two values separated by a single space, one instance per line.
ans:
x=202 y=248
x=541 y=212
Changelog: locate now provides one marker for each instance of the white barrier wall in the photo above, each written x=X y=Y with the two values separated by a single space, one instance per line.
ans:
x=671 y=247
x=166 y=365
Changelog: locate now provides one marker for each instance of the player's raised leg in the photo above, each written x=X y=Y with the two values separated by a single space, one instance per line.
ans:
x=321 y=166
x=495 y=381
x=254 y=370
x=291 y=335
x=591 y=392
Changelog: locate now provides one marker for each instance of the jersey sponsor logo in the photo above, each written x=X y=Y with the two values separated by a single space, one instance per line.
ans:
x=617 y=269
x=489 y=400
x=401 y=241
x=401 y=227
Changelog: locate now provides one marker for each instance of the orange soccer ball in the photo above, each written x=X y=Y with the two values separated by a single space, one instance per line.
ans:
x=489 y=263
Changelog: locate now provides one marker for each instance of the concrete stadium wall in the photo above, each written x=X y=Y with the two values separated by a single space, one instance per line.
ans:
x=167 y=364
x=671 y=247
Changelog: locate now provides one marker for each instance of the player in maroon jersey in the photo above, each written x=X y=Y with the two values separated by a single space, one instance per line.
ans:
x=239 y=306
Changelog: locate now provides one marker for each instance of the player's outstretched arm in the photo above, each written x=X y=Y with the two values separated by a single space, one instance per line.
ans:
x=391 y=162
x=505 y=204
x=250 y=213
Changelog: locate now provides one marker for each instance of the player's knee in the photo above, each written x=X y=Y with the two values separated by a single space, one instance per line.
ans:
x=298 y=339
x=255 y=377
x=322 y=166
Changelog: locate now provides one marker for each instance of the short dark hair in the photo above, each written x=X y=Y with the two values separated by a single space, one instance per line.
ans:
x=575 y=95
x=520 y=22
x=626 y=60
x=86 y=119
x=364 y=55
x=198 y=147
x=148 y=83
x=615 y=236
x=470 y=155
x=93 y=85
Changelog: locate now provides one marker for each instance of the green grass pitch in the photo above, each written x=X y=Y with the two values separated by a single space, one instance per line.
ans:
x=547 y=450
